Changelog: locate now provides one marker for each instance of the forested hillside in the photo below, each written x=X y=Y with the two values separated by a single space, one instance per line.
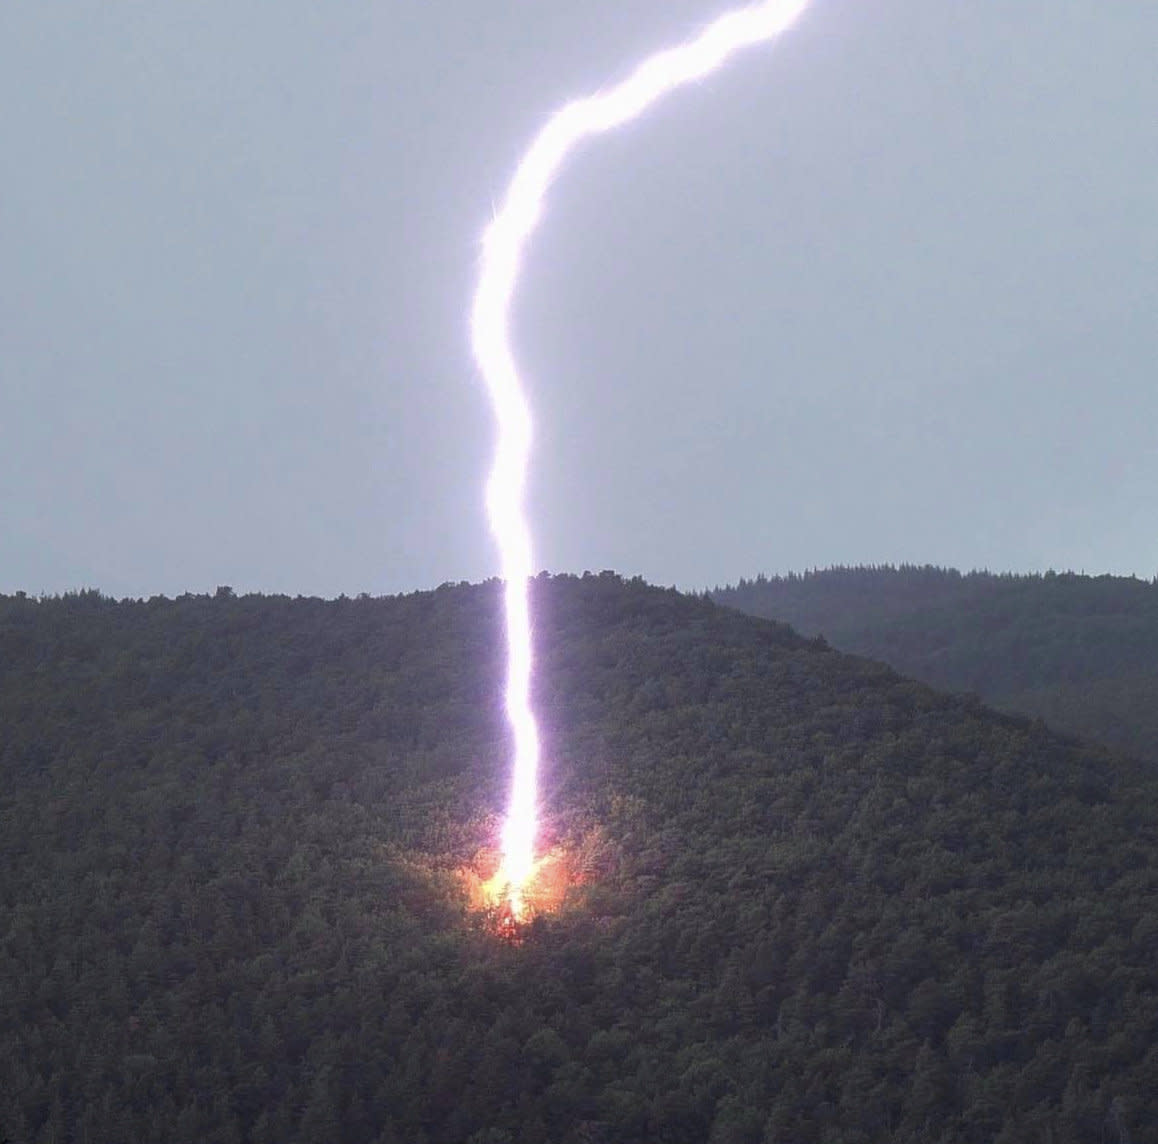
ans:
x=821 y=903
x=1080 y=652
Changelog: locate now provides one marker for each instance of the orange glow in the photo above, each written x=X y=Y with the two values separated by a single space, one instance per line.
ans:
x=542 y=893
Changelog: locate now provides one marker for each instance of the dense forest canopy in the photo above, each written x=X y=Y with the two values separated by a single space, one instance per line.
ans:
x=1080 y=652
x=822 y=902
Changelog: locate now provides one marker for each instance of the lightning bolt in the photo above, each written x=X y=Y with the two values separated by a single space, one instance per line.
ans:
x=504 y=244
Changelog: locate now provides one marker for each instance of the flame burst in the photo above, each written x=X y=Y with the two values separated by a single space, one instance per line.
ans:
x=504 y=244
x=558 y=869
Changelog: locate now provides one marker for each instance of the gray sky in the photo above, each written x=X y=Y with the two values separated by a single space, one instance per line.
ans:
x=882 y=292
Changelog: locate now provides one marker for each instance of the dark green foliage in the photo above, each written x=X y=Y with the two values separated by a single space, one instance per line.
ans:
x=1080 y=652
x=827 y=904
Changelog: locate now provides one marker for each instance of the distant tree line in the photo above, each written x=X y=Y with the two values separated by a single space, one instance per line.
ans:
x=1080 y=652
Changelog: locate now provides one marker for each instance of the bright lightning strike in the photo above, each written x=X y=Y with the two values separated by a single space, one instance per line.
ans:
x=503 y=246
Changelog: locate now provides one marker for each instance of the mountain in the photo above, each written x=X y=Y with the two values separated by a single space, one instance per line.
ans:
x=809 y=900
x=1080 y=652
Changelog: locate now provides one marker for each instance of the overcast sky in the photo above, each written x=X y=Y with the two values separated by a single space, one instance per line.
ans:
x=884 y=291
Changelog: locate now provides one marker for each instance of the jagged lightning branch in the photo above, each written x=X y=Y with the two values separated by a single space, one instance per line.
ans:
x=503 y=246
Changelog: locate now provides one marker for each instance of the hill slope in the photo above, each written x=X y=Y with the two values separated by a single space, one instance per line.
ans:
x=823 y=903
x=1080 y=652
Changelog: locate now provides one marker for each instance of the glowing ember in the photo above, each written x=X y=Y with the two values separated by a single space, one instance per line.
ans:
x=554 y=873
x=503 y=246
